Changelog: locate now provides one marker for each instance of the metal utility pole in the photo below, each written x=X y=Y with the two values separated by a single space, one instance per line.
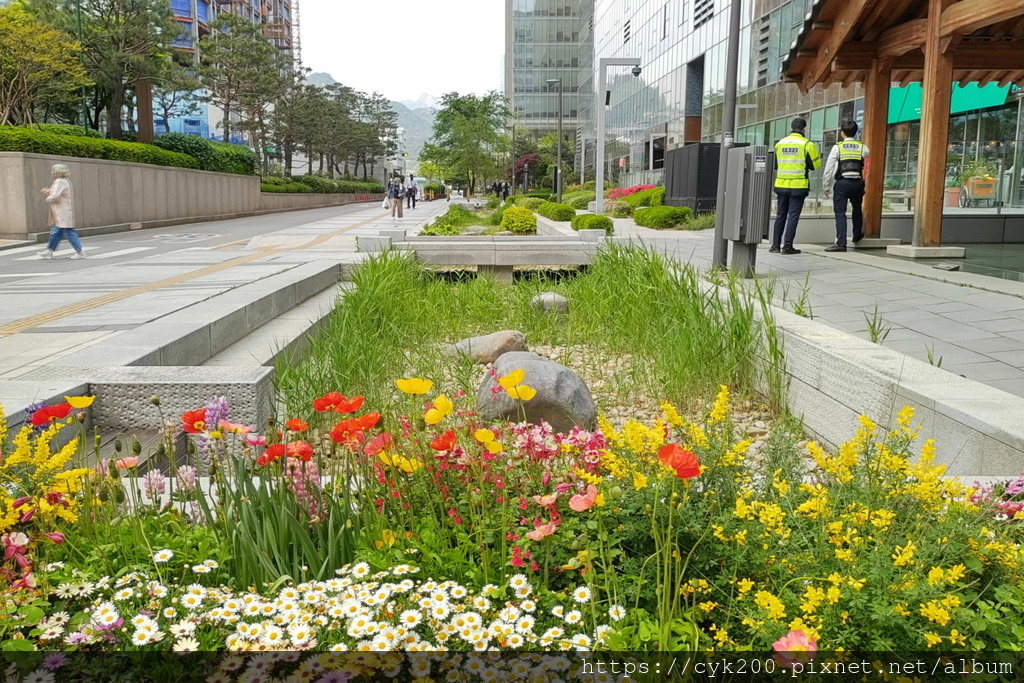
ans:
x=81 y=57
x=728 y=132
x=558 y=160
x=602 y=104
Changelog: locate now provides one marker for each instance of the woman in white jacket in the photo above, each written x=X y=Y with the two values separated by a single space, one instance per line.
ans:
x=61 y=199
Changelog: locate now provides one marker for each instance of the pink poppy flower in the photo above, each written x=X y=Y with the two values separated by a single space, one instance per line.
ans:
x=127 y=463
x=255 y=439
x=583 y=502
x=546 y=500
x=543 y=531
x=794 y=647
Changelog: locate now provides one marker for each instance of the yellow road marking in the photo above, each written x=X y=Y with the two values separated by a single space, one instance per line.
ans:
x=55 y=314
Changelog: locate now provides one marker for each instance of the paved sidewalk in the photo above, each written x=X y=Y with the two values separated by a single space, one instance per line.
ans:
x=68 y=306
x=973 y=323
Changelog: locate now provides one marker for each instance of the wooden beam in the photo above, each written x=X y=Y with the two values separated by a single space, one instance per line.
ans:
x=936 y=92
x=876 y=134
x=967 y=16
x=969 y=56
x=1007 y=78
x=843 y=26
x=821 y=26
x=899 y=40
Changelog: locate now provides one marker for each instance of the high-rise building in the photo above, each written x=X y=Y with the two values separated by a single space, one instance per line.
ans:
x=542 y=43
x=195 y=16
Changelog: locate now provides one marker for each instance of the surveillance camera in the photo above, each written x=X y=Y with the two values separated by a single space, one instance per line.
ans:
x=637 y=71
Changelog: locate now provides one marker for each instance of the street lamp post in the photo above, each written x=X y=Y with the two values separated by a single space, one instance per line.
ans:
x=601 y=114
x=721 y=244
x=558 y=160
x=81 y=57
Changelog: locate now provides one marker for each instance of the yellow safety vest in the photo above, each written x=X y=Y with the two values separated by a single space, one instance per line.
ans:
x=791 y=153
x=851 y=160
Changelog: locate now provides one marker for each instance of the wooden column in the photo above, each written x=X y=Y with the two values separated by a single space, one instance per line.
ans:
x=876 y=127
x=144 y=108
x=935 y=103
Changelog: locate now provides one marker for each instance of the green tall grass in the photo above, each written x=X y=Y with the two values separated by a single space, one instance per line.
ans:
x=681 y=338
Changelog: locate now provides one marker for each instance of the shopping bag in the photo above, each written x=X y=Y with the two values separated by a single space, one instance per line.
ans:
x=384 y=204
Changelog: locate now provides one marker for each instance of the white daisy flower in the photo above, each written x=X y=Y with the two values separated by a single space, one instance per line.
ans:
x=518 y=581
x=212 y=564
x=360 y=570
x=573 y=617
x=186 y=645
x=39 y=676
x=140 y=638
x=581 y=595
x=164 y=555
x=616 y=612
x=201 y=569
x=558 y=610
x=528 y=605
x=410 y=618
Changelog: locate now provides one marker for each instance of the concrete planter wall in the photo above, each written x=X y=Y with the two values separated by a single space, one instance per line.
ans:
x=111 y=195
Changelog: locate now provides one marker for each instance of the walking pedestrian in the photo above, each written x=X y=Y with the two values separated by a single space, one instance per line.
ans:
x=396 y=194
x=504 y=191
x=795 y=158
x=61 y=199
x=411 y=190
x=846 y=165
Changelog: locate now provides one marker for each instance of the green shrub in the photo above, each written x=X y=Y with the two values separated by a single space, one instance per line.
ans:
x=192 y=145
x=236 y=159
x=653 y=197
x=540 y=194
x=704 y=221
x=579 y=200
x=317 y=184
x=618 y=209
x=450 y=223
x=65 y=129
x=520 y=221
x=556 y=212
x=591 y=221
x=661 y=217
x=290 y=188
x=272 y=180
x=496 y=216
x=493 y=203
x=591 y=185
x=531 y=203
x=357 y=187
x=13 y=139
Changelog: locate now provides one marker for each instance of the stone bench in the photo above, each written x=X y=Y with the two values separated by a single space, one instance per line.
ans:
x=496 y=255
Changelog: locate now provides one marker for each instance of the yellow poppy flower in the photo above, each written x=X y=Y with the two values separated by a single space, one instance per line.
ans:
x=483 y=435
x=80 y=402
x=513 y=378
x=443 y=407
x=387 y=538
x=523 y=392
x=493 y=447
x=414 y=385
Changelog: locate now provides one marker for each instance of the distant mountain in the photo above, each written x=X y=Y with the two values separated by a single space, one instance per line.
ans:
x=418 y=125
x=416 y=117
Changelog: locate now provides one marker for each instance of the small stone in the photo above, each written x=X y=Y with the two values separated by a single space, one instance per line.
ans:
x=474 y=230
x=505 y=233
x=551 y=302
x=563 y=399
x=488 y=348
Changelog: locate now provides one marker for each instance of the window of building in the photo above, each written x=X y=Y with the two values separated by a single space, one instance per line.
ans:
x=763 y=43
x=664 y=22
x=626 y=32
x=703 y=10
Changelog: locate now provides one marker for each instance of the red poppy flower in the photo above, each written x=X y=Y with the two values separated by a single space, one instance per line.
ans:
x=350 y=405
x=296 y=425
x=368 y=421
x=328 y=402
x=272 y=453
x=445 y=442
x=301 y=450
x=48 y=414
x=380 y=442
x=194 y=421
x=684 y=462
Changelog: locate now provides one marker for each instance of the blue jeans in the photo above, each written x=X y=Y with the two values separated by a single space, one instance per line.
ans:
x=58 y=234
x=791 y=205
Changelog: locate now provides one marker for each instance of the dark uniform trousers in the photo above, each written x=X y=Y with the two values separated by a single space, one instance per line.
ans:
x=852 y=191
x=787 y=215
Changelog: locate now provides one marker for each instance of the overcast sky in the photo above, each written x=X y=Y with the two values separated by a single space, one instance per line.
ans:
x=430 y=46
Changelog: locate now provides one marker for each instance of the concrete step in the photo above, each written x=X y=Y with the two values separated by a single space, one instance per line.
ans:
x=284 y=337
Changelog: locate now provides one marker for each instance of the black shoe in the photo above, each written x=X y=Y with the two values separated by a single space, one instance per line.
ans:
x=790 y=251
x=773 y=250
x=835 y=247
x=857 y=239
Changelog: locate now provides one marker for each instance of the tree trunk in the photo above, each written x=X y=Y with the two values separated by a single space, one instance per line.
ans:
x=227 y=122
x=115 y=114
x=288 y=157
x=321 y=169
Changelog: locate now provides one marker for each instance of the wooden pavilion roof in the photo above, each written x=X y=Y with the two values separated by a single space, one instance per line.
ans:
x=840 y=39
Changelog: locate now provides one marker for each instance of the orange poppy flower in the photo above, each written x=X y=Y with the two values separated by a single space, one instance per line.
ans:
x=445 y=442
x=349 y=405
x=48 y=414
x=345 y=431
x=368 y=421
x=194 y=421
x=328 y=402
x=296 y=425
x=683 y=462
x=301 y=450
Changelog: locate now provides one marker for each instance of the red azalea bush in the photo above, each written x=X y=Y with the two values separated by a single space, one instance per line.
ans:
x=626 y=191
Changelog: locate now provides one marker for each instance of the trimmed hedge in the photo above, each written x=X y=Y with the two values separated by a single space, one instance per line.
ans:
x=218 y=157
x=556 y=212
x=531 y=203
x=540 y=194
x=229 y=158
x=329 y=186
x=661 y=217
x=579 y=200
x=618 y=209
x=285 y=188
x=654 y=196
x=65 y=129
x=519 y=220
x=15 y=139
x=591 y=221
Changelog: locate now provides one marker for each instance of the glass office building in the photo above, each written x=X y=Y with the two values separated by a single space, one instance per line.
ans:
x=542 y=43
x=681 y=45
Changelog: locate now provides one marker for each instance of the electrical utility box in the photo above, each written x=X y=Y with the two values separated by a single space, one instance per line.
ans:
x=748 y=203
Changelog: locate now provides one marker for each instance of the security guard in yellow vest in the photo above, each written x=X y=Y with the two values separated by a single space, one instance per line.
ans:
x=846 y=164
x=795 y=158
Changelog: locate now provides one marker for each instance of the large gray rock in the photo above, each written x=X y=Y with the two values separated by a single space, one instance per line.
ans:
x=551 y=302
x=563 y=399
x=488 y=348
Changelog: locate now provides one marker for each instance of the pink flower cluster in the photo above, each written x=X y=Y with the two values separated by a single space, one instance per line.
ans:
x=304 y=483
x=621 y=192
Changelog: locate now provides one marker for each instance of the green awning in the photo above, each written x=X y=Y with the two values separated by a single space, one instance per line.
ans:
x=905 y=103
